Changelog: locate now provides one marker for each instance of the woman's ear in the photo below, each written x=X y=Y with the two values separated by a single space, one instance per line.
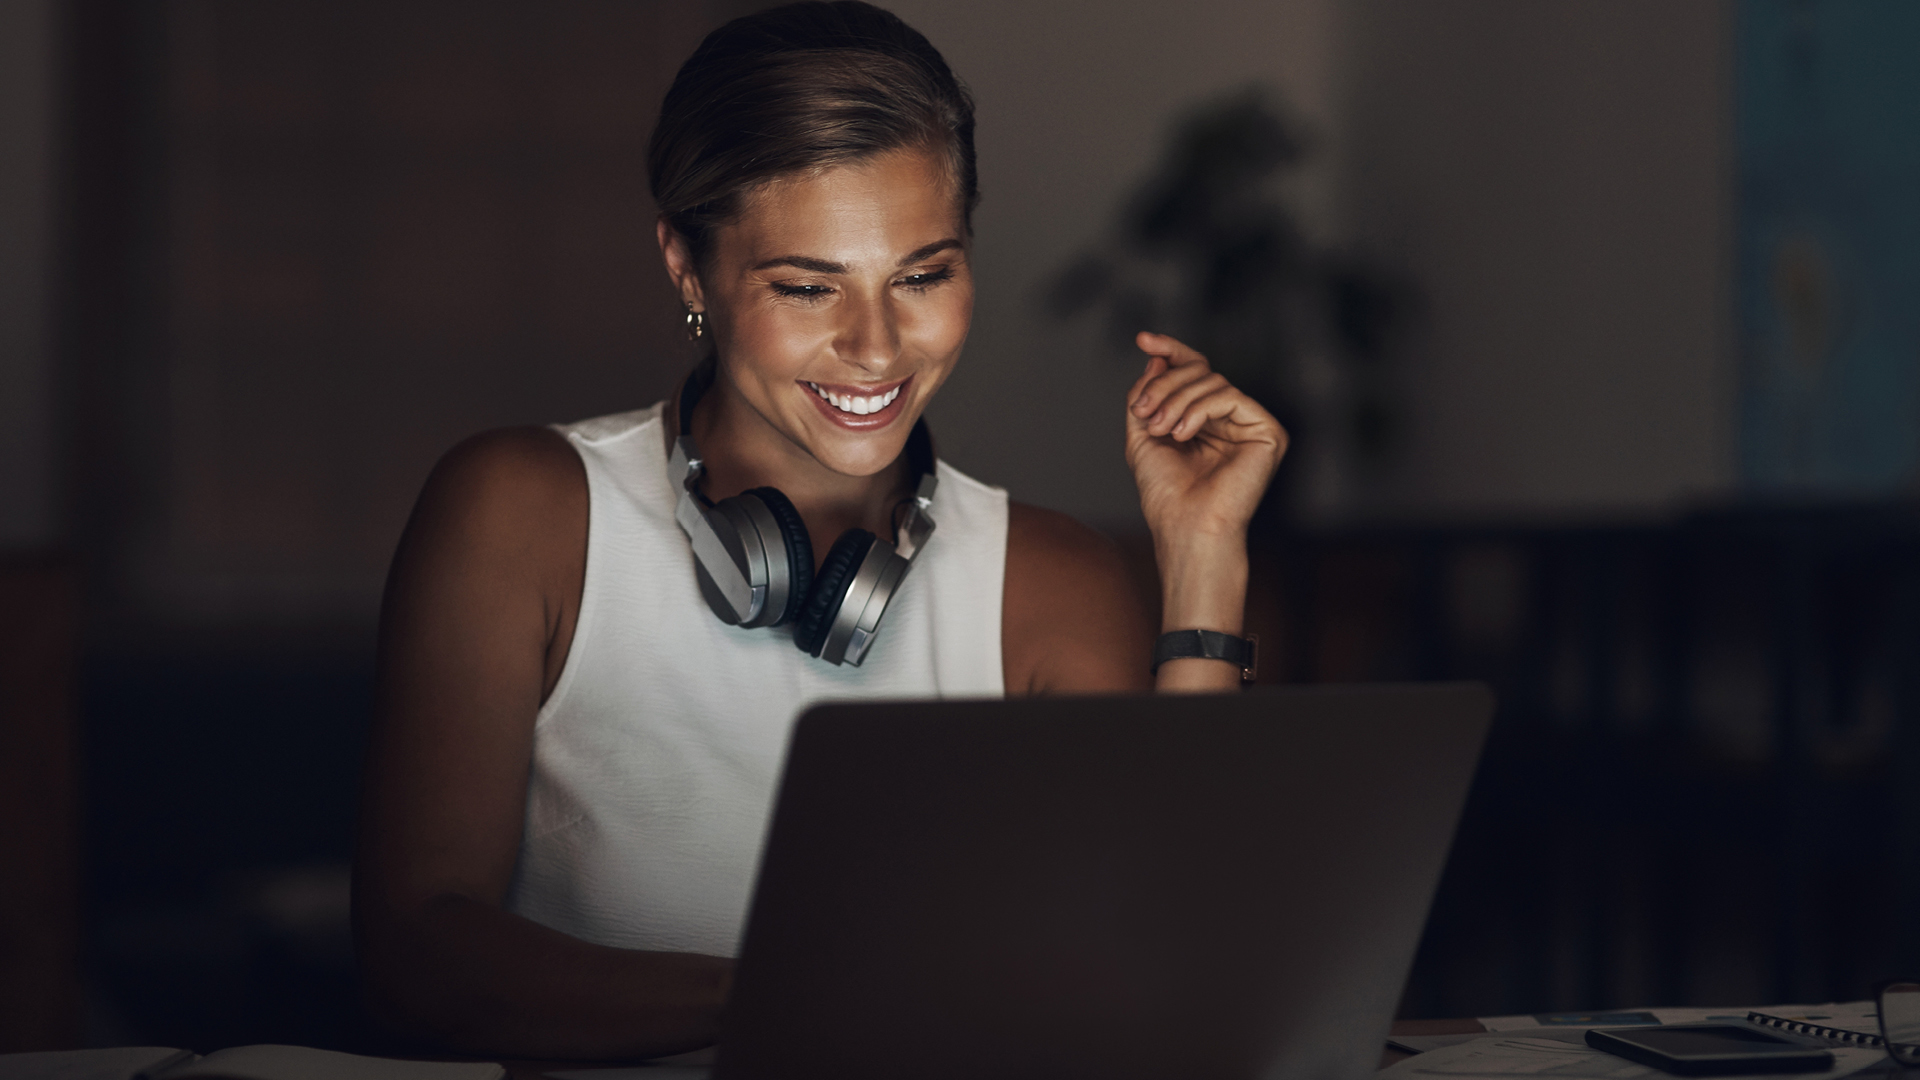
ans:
x=679 y=259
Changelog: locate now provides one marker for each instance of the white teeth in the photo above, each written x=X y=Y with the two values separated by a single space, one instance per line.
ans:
x=859 y=406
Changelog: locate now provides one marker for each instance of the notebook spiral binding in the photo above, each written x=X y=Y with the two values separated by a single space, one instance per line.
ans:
x=1820 y=1031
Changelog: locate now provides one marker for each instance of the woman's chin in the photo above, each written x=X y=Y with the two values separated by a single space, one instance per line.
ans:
x=853 y=453
x=869 y=457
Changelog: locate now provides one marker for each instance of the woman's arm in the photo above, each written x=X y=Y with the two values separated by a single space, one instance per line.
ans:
x=478 y=617
x=1072 y=621
x=1202 y=453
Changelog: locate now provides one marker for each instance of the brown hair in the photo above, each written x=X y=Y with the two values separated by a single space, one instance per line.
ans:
x=797 y=89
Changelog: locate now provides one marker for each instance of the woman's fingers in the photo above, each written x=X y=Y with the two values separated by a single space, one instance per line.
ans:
x=1155 y=365
x=1243 y=417
x=1173 y=411
x=1178 y=353
x=1171 y=366
x=1179 y=394
x=1158 y=398
x=1225 y=413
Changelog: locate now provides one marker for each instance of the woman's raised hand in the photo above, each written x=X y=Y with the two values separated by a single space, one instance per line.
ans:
x=1201 y=451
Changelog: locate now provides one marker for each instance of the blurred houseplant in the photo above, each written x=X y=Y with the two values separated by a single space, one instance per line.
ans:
x=1208 y=249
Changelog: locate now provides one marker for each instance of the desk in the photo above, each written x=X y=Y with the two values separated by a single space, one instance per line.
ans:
x=1388 y=1056
x=536 y=1070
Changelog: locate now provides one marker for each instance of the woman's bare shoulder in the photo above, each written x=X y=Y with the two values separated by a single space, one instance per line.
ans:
x=512 y=485
x=1072 y=617
x=1049 y=541
x=510 y=494
x=494 y=557
x=517 y=465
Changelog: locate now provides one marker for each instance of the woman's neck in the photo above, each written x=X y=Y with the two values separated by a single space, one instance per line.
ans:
x=742 y=450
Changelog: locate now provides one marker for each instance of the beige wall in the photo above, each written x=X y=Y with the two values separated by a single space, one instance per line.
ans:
x=1075 y=98
x=28 y=504
x=1552 y=175
x=1556 y=177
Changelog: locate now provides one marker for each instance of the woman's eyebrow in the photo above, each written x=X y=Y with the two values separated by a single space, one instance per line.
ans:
x=822 y=266
x=936 y=247
x=802 y=262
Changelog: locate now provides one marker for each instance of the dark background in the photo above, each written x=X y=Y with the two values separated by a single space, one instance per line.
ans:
x=287 y=254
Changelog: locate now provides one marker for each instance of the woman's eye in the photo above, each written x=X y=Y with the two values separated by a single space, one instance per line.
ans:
x=921 y=281
x=805 y=292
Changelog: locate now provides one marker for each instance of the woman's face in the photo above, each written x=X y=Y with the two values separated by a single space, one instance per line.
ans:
x=839 y=304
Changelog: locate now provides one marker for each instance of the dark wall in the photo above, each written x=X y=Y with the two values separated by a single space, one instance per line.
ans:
x=307 y=248
x=358 y=233
x=1695 y=787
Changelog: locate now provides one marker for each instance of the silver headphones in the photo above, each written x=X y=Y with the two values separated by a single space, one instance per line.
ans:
x=755 y=561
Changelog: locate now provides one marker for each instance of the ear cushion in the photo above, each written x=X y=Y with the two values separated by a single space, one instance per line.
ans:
x=799 y=548
x=823 y=603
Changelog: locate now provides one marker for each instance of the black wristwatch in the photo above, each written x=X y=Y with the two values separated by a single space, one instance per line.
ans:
x=1208 y=645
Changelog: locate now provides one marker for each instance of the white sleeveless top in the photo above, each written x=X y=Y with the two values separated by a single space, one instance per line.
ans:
x=655 y=758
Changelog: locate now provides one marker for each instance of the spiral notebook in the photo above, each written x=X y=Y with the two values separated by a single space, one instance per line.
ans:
x=1853 y=1023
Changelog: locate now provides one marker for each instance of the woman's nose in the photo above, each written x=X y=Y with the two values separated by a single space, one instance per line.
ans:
x=869 y=336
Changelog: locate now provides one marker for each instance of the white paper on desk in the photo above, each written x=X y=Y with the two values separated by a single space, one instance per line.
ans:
x=1508 y=1023
x=1421 y=1044
x=1857 y=1016
x=1516 y=1056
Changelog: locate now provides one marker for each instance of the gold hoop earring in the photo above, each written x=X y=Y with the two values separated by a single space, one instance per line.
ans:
x=696 y=323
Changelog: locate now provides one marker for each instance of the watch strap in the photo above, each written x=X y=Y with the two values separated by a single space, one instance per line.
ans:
x=1207 y=645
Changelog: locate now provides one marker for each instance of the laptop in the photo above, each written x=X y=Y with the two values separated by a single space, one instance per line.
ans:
x=1122 y=887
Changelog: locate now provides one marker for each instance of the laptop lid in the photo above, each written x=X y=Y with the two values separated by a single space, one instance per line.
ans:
x=1153 y=886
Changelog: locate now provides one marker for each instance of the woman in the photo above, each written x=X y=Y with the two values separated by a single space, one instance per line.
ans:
x=576 y=743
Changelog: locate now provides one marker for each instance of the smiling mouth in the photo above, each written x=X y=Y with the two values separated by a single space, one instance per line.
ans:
x=854 y=404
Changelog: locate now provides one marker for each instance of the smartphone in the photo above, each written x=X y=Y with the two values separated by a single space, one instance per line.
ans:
x=1713 y=1049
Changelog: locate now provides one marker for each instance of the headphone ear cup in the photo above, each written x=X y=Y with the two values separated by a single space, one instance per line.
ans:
x=823 y=603
x=798 y=546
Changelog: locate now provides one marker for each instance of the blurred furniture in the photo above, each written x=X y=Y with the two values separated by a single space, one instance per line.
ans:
x=39 y=808
x=1697 y=786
